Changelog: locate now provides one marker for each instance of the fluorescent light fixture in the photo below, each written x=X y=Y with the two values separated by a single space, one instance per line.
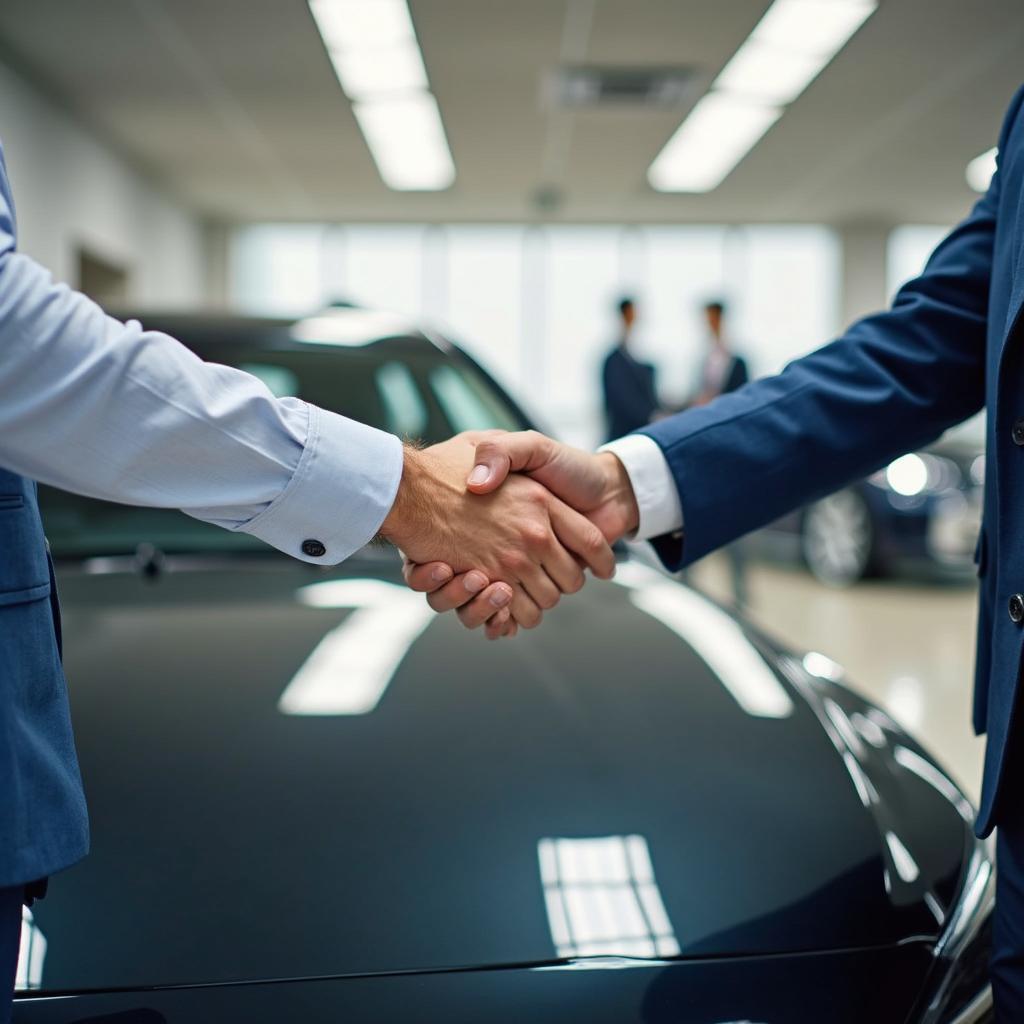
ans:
x=373 y=49
x=787 y=50
x=407 y=141
x=719 y=132
x=819 y=27
x=719 y=641
x=351 y=667
x=366 y=74
x=980 y=170
x=764 y=72
x=362 y=24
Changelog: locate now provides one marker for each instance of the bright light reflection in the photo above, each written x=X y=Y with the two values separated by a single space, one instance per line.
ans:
x=31 y=954
x=720 y=642
x=926 y=771
x=907 y=475
x=602 y=898
x=349 y=328
x=822 y=666
x=906 y=866
x=349 y=670
x=981 y=169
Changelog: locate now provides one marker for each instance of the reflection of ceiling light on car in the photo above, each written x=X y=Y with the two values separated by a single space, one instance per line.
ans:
x=349 y=670
x=980 y=170
x=602 y=898
x=31 y=954
x=906 y=866
x=907 y=475
x=721 y=643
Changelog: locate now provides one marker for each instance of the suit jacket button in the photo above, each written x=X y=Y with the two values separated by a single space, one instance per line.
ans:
x=316 y=549
x=1018 y=432
x=1016 y=607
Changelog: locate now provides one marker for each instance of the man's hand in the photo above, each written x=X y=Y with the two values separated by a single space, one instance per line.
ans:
x=522 y=535
x=596 y=485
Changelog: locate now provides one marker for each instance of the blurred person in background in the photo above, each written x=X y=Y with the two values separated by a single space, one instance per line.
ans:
x=630 y=392
x=724 y=371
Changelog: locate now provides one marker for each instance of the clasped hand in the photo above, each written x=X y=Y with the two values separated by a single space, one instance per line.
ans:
x=499 y=525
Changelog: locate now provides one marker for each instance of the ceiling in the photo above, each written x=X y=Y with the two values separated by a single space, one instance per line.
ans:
x=233 y=106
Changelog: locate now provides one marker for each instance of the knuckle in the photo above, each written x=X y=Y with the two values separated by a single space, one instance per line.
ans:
x=535 y=535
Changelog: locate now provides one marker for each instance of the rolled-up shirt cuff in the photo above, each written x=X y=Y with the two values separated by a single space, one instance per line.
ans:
x=339 y=495
x=657 y=498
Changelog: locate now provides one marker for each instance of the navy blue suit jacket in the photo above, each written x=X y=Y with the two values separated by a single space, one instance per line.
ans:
x=630 y=397
x=952 y=342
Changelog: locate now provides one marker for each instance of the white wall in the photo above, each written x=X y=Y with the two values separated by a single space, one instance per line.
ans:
x=71 y=191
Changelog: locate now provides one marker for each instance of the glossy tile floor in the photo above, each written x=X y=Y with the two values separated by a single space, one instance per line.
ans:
x=907 y=646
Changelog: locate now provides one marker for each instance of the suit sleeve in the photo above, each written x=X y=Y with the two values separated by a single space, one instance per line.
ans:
x=894 y=382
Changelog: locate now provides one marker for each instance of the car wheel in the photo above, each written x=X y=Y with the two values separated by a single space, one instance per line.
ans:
x=838 y=538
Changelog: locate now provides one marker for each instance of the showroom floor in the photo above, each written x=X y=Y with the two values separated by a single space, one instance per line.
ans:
x=907 y=646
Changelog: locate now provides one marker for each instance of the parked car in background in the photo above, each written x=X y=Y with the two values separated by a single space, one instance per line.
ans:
x=313 y=800
x=920 y=515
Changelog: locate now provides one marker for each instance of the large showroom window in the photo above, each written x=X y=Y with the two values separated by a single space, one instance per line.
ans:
x=536 y=303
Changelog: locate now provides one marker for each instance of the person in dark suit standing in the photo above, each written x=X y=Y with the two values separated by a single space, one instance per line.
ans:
x=723 y=371
x=951 y=344
x=630 y=394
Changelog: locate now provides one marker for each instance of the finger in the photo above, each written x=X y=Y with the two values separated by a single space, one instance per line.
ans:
x=488 y=604
x=580 y=536
x=525 y=609
x=563 y=568
x=458 y=592
x=500 y=625
x=428 y=577
x=508 y=453
x=541 y=589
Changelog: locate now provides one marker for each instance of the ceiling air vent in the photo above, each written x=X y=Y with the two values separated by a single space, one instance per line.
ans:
x=589 y=86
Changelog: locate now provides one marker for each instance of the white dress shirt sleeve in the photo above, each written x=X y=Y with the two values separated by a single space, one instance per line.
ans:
x=657 y=498
x=109 y=410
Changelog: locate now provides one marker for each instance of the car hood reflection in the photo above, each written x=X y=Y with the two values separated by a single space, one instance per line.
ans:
x=294 y=774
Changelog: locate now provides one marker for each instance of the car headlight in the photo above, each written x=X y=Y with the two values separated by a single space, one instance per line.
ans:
x=960 y=992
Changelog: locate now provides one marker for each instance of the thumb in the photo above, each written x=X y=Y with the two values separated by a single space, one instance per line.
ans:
x=504 y=454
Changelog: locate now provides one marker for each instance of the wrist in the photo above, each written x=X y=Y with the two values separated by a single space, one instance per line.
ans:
x=407 y=511
x=620 y=496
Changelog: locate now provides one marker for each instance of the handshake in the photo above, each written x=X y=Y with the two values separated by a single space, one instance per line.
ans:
x=499 y=525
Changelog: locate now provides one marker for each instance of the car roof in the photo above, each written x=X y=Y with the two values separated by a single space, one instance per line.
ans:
x=339 y=325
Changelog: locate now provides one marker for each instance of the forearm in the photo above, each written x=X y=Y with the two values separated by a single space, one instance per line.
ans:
x=108 y=410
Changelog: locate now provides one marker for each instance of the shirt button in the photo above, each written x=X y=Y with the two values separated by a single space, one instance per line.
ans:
x=1016 y=607
x=316 y=549
x=1018 y=432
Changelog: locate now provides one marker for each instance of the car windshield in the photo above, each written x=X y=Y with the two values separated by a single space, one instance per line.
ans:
x=402 y=385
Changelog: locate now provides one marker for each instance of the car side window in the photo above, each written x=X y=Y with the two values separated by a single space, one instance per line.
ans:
x=467 y=402
x=404 y=408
